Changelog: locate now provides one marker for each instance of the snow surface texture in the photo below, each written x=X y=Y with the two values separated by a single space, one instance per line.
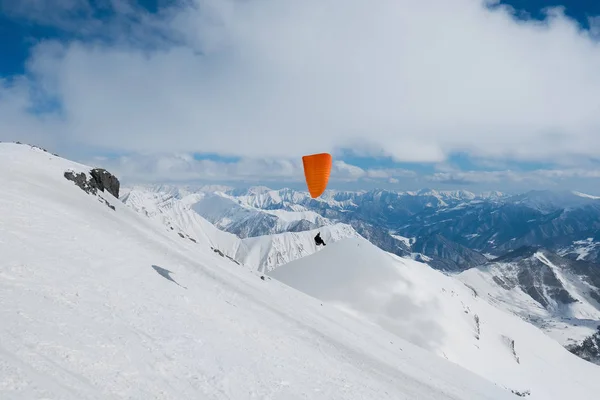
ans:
x=106 y=304
x=439 y=313
x=176 y=211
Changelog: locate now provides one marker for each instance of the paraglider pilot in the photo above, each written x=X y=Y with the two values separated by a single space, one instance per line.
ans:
x=318 y=240
x=317 y=168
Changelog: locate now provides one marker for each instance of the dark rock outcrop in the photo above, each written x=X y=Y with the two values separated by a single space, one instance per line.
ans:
x=219 y=252
x=100 y=180
x=87 y=185
x=106 y=181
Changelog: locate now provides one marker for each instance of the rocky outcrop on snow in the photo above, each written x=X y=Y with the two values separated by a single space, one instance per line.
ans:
x=82 y=181
x=106 y=181
x=98 y=179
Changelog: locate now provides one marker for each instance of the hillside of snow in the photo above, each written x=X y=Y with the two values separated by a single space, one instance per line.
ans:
x=554 y=293
x=103 y=303
x=442 y=315
x=266 y=253
x=176 y=210
x=173 y=211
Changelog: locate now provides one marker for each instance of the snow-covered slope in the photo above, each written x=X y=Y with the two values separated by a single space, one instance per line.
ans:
x=101 y=303
x=441 y=314
x=558 y=295
x=176 y=211
x=269 y=252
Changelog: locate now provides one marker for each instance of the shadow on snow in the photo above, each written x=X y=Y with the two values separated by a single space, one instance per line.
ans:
x=165 y=274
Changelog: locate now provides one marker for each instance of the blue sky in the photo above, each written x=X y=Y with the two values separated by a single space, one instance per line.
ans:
x=461 y=96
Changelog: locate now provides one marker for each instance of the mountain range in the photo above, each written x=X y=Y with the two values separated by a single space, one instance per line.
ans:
x=110 y=292
x=535 y=245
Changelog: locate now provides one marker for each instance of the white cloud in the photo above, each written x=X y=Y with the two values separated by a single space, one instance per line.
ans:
x=16 y=101
x=283 y=78
x=543 y=177
x=389 y=173
x=347 y=171
x=184 y=167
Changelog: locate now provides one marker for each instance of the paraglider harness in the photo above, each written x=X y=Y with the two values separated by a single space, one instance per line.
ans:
x=318 y=240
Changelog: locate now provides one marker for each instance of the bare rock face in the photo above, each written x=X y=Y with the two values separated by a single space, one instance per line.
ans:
x=81 y=180
x=106 y=181
x=99 y=179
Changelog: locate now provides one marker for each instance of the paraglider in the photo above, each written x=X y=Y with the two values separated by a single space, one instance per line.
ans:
x=317 y=168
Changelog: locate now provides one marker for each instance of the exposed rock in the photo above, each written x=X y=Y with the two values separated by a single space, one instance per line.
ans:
x=99 y=180
x=224 y=255
x=521 y=394
x=106 y=180
x=81 y=180
x=511 y=344
x=102 y=200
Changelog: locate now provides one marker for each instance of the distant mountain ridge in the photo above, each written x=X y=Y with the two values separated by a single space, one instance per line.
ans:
x=559 y=295
x=533 y=254
x=455 y=229
x=285 y=236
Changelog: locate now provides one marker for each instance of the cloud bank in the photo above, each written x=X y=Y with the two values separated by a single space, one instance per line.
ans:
x=183 y=167
x=283 y=78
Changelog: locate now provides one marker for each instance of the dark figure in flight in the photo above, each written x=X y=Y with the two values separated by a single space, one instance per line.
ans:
x=318 y=240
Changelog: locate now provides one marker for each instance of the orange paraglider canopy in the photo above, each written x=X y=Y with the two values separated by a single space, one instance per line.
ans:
x=317 y=168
